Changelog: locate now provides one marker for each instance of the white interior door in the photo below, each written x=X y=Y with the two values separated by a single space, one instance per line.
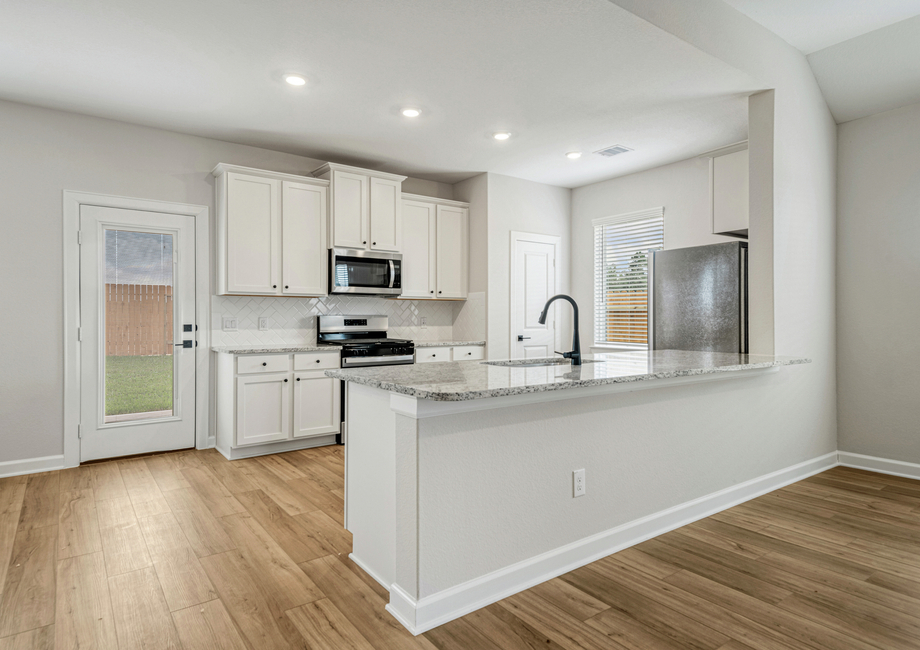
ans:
x=137 y=306
x=533 y=282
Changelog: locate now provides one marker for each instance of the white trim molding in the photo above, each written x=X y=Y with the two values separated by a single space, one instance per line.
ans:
x=880 y=465
x=629 y=216
x=72 y=201
x=437 y=609
x=31 y=465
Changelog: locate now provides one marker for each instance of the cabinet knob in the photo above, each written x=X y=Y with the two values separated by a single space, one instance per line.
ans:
x=317 y=361
x=373 y=243
x=285 y=381
x=274 y=286
x=364 y=242
x=298 y=379
x=264 y=363
x=439 y=292
x=432 y=291
x=285 y=286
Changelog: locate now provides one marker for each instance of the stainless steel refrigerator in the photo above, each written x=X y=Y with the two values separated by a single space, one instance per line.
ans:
x=698 y=298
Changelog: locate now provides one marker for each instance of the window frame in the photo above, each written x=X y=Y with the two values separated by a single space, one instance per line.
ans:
x=600 y=311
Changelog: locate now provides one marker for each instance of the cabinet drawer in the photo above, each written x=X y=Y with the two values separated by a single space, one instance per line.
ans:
x=429 y=355
x=316 y=360
x=263 y=363
x=468 y=353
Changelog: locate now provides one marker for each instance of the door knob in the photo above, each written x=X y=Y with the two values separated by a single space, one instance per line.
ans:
x=521 y=337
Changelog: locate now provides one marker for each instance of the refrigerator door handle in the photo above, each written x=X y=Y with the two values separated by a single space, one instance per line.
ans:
x=650 y=305
x=743 y=301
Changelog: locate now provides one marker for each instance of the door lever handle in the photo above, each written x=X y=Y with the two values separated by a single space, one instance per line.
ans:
x=521 y=337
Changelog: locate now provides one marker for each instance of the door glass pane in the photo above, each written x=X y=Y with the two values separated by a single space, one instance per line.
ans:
x=139 y=327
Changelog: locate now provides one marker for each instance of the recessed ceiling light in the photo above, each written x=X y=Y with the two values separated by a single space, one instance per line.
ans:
x=573 y=155
x=411 y=112
x=295 y=79
x=501 y=135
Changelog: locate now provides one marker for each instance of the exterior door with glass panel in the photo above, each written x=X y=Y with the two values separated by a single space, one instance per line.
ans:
x=137 y=332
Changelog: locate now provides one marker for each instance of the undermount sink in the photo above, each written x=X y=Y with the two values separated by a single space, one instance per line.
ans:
x=534 y=363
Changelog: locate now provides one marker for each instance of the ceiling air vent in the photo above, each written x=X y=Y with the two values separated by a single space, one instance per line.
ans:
x=615 y=150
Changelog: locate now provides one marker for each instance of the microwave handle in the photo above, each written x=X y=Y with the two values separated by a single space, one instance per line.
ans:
x=392 y=272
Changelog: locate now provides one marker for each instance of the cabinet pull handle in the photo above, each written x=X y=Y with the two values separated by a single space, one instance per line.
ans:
x=285 y=381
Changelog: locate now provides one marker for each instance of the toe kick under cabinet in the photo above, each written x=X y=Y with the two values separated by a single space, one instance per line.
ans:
x=269 y=403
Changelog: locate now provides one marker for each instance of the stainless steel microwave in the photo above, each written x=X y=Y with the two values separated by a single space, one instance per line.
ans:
x=369 y=273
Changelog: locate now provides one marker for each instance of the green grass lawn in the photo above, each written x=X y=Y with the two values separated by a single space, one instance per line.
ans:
x=138 y=384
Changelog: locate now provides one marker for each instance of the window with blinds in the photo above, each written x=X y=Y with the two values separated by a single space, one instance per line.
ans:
x=621 y=249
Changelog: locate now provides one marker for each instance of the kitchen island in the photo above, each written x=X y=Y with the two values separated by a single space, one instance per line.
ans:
x=459 y=476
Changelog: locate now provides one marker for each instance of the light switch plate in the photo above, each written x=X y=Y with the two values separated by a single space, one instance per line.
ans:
x=423 y=322
x=230 y=324
x=263 y=323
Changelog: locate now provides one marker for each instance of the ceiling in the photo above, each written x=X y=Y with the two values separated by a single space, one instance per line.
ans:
x=865 y=54
x=560 y=76
x=812 y=25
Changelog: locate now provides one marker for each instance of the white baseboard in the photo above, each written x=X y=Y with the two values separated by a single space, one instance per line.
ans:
x=354 y=558
x=249 y=451
x=31 y=465
x=880 y=465
x=437 y=609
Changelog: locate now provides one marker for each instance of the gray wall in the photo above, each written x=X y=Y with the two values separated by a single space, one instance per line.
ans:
x=681 y=187
x=523 y=206
x=43 y=153
x=878 y=285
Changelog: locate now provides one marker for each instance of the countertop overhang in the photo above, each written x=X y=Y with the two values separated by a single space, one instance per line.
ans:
x=463 y=381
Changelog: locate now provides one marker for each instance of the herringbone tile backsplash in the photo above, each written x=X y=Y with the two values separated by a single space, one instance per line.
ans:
x=293 y=320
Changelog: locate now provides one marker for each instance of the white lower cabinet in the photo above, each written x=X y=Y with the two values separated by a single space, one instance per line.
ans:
x=263 y=409
x=316 y=404
x=269 y=403
x=456 y=353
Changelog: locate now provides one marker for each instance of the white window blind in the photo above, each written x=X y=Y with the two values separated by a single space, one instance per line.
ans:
x=621 y=246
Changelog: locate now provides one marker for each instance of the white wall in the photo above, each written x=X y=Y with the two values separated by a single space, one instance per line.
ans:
x=524 y=206
x=43 y=153
x=471 y=315
x=802 y=423
x=878 y=285
x=681 y=187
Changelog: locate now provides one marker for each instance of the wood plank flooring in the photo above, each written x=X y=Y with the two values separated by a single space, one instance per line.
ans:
x=188 y=550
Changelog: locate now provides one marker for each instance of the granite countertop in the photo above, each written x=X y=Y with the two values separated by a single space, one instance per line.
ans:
x=273 y=349
x=468 y=380
x=446 y=344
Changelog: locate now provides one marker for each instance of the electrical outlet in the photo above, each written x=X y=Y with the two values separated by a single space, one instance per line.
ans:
x=263 y=323
x=578 y=483
x=423 y=322
x=230 y=324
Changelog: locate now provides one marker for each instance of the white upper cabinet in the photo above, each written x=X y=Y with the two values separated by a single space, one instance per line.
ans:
x=366 y=208
x=350 y=210
x=303 y=237
x=452 y=251
x=253 y=226
x=435 y=240
x=386 y=208
x=419 y=248
x=271 y=233
x=728 y=182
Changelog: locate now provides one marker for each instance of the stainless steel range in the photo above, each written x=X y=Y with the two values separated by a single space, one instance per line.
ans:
x=363 y=340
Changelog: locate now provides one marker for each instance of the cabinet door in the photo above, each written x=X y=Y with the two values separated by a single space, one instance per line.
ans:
x=253 y=234
x=303 y=248
x=431 y=355
x=418 y=249
x=263 y=409
x=386 y=212
x=317 y=405
x=452 y=251
x=349 y=210
x=730 y=192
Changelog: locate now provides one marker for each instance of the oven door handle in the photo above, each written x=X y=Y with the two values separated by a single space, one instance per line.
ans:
x=392 y=272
